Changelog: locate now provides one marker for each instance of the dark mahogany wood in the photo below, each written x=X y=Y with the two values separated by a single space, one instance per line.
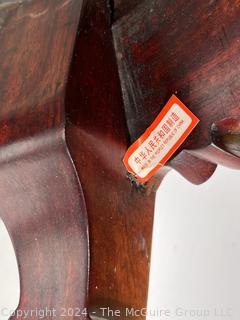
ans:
x=43 y=208
x=165 y=47
x=42 y=203
x=158 y=48
x=120 y=214
x=161 y=47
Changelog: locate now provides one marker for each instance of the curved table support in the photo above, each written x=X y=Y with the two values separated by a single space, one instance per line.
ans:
x=42 y=203
x=106 y=114
x=43 y=207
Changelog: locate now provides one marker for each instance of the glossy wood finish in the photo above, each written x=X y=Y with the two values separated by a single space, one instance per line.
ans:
x=120 y=213
x=43 y=208
x=42 y=203
x=165 y=47
x=161 y=47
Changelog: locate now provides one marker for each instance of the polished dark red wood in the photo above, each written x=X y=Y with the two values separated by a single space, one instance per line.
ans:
x=158 y=48
x=120 y=213
x=42 y=203
x=177 y=47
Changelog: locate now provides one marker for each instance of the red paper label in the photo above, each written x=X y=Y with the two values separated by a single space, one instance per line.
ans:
x=158 y=143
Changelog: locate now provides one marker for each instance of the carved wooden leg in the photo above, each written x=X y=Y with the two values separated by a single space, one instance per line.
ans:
x=42 y=203
x=161 y=48
x=120 y=214
x=43 y=208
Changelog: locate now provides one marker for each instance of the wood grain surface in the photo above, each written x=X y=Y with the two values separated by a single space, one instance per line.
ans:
x=129 y=58
x=42 y=203
x=177 y=47
x=120 y=213
x=161 y=47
